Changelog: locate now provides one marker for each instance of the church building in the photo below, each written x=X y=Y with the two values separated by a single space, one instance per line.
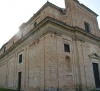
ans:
x=57 y=49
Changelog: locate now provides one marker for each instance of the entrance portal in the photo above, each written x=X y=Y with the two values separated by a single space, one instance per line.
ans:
x=19 y=80
x=96 y=75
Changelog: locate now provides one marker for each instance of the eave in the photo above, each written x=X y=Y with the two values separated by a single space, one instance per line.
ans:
x=38 y=12
x=52 y=21
x=86 y=8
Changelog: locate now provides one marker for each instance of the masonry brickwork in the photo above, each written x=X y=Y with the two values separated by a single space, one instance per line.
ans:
x=46 y=66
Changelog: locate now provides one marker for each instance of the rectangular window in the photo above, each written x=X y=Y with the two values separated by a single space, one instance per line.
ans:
x=87 y=27
x=66 y=48
x=20 y=58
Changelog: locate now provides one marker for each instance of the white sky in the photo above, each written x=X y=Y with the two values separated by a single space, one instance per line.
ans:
x=14 y=12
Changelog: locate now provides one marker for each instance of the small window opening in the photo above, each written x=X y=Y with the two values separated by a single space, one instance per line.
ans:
x=35 y=23
x=66 y=48
x=87 y=27
x=20 y=58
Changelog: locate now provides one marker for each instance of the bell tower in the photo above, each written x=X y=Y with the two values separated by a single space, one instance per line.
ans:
x=68 y=3
x=68 y=6
x=70 y=10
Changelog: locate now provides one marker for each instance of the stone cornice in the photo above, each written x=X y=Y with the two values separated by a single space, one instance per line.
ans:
x=37 y=27
x=84 y=33
x=50 y=21
x=73 y=29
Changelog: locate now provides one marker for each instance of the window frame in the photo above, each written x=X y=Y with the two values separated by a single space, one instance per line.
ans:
x=66 y=47
x=87 y=27
x=20 y=58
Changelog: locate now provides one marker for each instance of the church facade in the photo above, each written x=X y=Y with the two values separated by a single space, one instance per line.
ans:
x=57 y=49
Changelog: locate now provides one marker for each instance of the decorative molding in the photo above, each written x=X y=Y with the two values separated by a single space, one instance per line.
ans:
x=46 y=27
x=94 y=56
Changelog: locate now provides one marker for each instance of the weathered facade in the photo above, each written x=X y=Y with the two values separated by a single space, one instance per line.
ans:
x=58 y=49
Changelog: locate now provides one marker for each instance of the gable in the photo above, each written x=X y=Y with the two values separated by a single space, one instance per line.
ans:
x=94 y=56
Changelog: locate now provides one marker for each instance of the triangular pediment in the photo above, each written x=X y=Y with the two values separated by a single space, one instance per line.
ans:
x=94 y=56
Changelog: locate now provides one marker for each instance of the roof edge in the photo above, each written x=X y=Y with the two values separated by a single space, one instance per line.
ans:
x=86 y=8
x=38 y=11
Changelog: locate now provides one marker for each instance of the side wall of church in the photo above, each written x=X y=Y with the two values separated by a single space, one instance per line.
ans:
x=46 y=65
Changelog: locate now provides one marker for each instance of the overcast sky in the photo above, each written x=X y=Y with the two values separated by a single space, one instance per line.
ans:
x=14 y=12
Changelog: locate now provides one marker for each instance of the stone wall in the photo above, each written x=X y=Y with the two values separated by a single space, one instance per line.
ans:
x=79 y=13
x=3 y=68
x=75 y=14
x=45 y=65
